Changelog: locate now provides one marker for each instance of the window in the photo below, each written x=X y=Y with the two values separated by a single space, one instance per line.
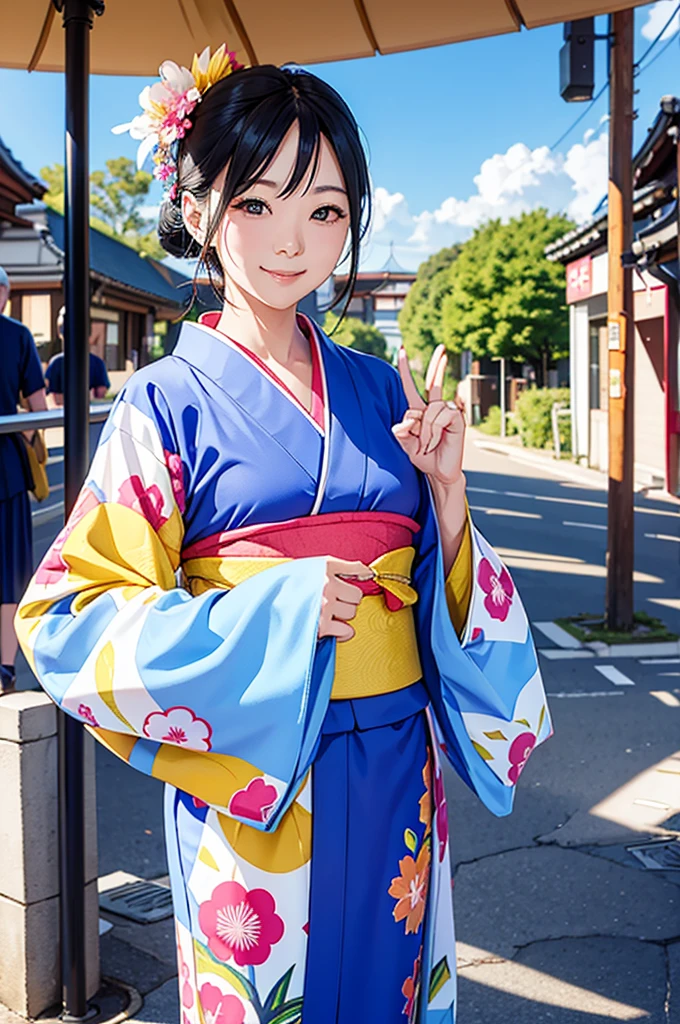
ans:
x=594 y=365
x=36 y=314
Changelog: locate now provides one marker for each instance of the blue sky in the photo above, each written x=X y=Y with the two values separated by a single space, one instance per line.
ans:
x=455 y=133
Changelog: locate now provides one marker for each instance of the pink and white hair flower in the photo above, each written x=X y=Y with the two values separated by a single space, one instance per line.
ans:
x=167 y=107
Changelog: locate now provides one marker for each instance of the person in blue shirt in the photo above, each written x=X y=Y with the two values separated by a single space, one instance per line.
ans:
x=54 y=374
x=21 y=377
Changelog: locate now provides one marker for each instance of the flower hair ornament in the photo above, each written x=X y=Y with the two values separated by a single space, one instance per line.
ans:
x=167 y=107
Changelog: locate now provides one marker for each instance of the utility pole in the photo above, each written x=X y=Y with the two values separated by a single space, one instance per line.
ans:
x=621 y=327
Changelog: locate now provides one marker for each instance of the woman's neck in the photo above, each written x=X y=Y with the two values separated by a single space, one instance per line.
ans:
x=271 y=334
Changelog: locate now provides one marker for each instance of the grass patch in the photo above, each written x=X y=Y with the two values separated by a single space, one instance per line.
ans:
x=591 y=628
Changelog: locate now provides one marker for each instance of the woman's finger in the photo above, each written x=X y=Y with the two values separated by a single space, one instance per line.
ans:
x=436 y=387
x=447 y=418
x=344 y=610
x=343 y=567
x=340 y=630
x=432 y=366
x=413 y=396
x=348 y=593
x=432 y=411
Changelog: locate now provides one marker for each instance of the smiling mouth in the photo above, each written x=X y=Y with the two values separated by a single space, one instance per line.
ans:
x=284 y=275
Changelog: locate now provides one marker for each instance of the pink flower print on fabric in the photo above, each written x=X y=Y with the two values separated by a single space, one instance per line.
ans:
x=256 y=801
x=53 y=567
x=85 y=713
x=519 y=752
x=148 y=501
x=219 y=1008
x=442 y=817
x=180 y=726
x=498 y=588
x=241 y=924
x=176 y=471
x=187 y=990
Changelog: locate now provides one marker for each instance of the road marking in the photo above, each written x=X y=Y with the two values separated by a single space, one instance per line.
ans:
x=662 y=536
x=659 y=661
x=517 y=558
x=44 y=515
x=589 y=693
x=505 y=512
x=586 y=526
x=668 y=673
x=667 y=602
x=558 y=654
x=656 y=804
x=569 y=501
x=558 y=635
x=614 y=676
x=667 y=698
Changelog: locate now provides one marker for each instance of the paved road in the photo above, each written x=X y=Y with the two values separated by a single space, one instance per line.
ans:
x=557 y=921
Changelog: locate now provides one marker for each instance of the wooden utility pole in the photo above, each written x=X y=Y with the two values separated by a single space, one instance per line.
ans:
x=621 y=328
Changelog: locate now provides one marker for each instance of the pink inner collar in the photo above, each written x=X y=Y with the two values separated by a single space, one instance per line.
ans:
x=212 y=319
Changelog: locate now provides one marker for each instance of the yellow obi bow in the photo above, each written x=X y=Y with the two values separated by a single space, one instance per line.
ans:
x=382 y=656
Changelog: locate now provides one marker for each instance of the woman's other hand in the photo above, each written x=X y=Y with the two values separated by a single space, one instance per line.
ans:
x=432 y=432
x=341 y=598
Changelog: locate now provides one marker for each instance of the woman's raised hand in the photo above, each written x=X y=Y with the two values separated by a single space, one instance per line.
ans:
x=341 y=598
x=432 y=432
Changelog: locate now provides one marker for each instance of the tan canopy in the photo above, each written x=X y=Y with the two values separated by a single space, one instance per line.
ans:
x=134 y=36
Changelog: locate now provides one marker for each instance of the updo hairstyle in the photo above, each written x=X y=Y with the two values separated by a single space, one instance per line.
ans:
x=242 y=122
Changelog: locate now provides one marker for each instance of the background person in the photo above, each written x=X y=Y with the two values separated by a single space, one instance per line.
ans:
x=20 y=377
x=54 y=374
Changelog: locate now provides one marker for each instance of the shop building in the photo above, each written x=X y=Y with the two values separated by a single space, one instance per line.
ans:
x=656 y=309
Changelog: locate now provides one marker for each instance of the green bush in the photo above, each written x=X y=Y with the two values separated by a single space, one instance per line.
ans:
x=492 y=423
x=533 y=414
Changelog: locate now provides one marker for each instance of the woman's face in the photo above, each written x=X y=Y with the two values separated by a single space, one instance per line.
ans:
x=279 y=250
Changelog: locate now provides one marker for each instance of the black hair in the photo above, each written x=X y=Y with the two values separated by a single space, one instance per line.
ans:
x=242 y=122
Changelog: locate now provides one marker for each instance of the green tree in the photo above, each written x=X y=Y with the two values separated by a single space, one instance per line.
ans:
x=354 y=333
x=504 y=297
x=420 y=318
x=116 y=199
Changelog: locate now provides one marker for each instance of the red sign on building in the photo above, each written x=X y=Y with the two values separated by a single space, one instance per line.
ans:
x=579 y=279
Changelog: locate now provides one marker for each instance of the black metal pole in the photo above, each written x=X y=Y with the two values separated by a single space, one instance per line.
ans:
x=78 y=17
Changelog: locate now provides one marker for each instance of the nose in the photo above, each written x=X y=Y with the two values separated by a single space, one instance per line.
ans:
x=289 y=242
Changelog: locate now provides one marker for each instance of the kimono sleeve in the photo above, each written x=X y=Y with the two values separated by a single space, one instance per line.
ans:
x=221 y=695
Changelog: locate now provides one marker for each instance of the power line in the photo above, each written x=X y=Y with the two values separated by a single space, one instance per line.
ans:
x=659 y=54
x=584 y=113
x=656 y=40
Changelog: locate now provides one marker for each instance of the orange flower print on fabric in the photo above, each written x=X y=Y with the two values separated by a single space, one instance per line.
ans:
x=410 y=888
x=426 y=799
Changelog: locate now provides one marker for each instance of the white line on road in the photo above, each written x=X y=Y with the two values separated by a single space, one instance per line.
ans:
x=667 y=698
x=558 y=635
x=586 y=526
x=656 y=804
x=569 y=501
x=614 y=675
x=590 y=693
x=659 y=661
x=662 y=536
x=505 y=512
x=668 y=673
x=557 y=654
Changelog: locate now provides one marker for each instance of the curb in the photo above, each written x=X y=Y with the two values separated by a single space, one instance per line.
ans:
x=569 y=647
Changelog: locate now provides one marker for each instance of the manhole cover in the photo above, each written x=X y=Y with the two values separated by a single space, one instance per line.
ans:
x=658 y=856
x=139 y=901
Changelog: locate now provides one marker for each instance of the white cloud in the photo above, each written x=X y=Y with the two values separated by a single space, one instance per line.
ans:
x=508 y=184
x=657 y=16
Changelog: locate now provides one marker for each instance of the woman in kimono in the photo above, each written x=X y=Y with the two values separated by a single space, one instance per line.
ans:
x=270 y=596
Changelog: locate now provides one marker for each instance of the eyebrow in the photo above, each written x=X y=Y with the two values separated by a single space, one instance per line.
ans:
x=268 y=183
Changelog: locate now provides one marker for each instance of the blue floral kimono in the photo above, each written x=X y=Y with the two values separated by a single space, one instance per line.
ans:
x=177 y=615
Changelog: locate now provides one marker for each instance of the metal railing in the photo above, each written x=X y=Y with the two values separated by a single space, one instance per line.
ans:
x=13 y=424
